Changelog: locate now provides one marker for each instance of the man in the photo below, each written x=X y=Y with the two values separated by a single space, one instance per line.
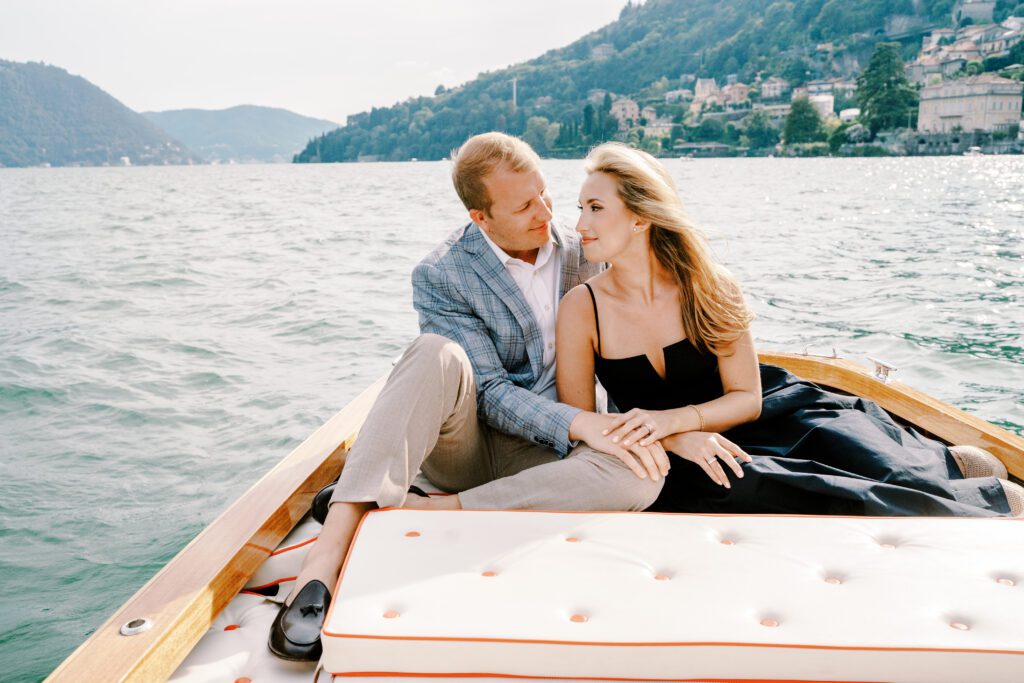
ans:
x=472 y=402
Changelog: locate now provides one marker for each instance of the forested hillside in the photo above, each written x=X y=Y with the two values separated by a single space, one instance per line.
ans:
x=243 y=133
x=48 y=116
x=645 y=53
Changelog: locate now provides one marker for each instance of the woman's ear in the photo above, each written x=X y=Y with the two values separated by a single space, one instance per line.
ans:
x=641 y=226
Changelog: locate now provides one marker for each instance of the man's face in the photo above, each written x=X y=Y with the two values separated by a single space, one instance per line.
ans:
x=520 y=215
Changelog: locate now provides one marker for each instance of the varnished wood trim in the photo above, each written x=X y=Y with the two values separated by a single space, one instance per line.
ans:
x=942 y=420
x=192 y=589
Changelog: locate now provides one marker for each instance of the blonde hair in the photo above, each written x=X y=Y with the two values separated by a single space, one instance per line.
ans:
x=713 y=311
x=479 y=156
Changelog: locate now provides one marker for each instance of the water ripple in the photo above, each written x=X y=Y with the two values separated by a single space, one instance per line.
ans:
x=157 y=328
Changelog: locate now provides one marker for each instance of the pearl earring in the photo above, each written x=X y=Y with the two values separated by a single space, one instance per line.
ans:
x=635 y=229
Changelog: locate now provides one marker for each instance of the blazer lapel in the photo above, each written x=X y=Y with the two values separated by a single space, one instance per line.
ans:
x=568 y=251
x=494 y=274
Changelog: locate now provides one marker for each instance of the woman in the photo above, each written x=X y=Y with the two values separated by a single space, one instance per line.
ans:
x=667 y=333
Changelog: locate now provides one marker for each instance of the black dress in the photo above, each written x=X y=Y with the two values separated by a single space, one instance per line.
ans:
x=814 y=451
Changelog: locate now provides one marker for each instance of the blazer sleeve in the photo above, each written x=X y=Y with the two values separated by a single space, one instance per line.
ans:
x=500 y=403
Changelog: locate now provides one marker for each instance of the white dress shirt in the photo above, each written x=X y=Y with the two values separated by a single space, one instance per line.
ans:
x=539 y=283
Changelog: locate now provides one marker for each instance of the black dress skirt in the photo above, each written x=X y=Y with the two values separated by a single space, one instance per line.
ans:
x=814 y=451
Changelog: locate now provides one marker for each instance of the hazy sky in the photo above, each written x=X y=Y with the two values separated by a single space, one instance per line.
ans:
x=316 y=57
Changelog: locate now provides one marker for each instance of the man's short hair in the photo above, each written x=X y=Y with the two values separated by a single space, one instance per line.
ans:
x=482 y=154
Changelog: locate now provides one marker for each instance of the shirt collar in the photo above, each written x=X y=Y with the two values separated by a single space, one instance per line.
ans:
x=542 y=256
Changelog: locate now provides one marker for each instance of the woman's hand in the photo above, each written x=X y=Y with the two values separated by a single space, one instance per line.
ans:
x=706 y=449
x=644 y=460
x=643 y=426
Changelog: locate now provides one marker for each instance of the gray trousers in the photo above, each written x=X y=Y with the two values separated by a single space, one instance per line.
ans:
x=425 y=418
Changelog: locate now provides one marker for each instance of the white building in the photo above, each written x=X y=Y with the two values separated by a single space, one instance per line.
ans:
x=986 y=103
x=825 y=104
x=603 y=51
x=705 y=88
x=774 y=88
x=679 y=95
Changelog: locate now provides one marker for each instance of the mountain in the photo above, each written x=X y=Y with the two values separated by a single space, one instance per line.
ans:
x=243 y=133
x=653 y=47
x=48 y=116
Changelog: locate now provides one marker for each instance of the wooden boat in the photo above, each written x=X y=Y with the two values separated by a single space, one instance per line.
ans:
x=182 y=600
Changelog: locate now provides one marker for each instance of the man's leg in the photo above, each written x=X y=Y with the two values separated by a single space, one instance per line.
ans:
x=529 y=477
x=427 y=406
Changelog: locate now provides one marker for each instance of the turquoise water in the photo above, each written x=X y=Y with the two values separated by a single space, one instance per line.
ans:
x=167 y=334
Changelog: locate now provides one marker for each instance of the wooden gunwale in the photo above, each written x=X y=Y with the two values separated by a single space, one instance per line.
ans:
x=190 y=591
x=939 y=419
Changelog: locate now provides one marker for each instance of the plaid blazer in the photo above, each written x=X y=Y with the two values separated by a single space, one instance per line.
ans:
x=462 y=291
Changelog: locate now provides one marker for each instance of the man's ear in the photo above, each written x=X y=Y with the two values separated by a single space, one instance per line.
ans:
x=478 y=217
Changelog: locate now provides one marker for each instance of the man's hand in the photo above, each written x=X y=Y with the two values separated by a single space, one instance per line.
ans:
x=650 y=460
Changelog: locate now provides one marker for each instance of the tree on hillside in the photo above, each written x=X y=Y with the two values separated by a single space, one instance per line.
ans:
x=803 y=123
x=886 y=98
x=759 y=131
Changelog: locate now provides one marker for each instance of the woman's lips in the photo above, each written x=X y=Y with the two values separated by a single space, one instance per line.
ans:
x=588 y=240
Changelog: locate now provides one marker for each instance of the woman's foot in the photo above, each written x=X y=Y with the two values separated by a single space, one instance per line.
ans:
x=977 y=462
x=1014 y=496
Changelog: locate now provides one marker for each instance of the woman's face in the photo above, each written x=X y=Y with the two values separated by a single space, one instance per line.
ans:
x=605 y=225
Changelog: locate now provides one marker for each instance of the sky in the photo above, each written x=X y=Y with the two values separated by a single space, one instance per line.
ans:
x=315 y=57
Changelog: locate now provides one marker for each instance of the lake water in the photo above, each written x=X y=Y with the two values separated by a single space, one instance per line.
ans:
x=168 y=334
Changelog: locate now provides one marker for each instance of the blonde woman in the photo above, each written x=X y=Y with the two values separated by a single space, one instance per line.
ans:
x=666 y=331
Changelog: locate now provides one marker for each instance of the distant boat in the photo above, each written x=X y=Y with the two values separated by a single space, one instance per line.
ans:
x=974 y=152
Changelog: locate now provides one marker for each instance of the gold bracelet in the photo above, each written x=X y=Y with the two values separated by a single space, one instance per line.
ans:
x=700 y=416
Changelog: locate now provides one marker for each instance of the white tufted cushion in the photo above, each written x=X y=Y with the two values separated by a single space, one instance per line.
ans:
x=655 y=597
x=235 y=648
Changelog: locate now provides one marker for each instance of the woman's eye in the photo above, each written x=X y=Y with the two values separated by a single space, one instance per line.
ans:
x=595 y=207
x=579 y=206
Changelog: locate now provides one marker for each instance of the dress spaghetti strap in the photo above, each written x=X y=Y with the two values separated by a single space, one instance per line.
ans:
x=597 y=320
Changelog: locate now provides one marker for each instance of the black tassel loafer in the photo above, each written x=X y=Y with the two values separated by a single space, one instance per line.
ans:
x=295 y=634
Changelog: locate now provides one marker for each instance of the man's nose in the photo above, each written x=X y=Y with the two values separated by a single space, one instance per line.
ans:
x=544 y=212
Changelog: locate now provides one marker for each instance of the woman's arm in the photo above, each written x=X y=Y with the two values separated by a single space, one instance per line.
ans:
x=574 y=350
x=575 y=340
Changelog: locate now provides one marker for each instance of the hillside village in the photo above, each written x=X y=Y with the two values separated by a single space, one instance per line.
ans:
x=970 y=97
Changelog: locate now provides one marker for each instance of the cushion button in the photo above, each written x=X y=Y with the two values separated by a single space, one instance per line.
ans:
x=888 y=546
x=661 y=577
x=572 y=539
x=960 y=626
x=578 y=618
x=413 y=534
x=727 y=541
x=489 y=574
x=390 y=614
x=770 y=623
x=833 y=580
x=1003 y=581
